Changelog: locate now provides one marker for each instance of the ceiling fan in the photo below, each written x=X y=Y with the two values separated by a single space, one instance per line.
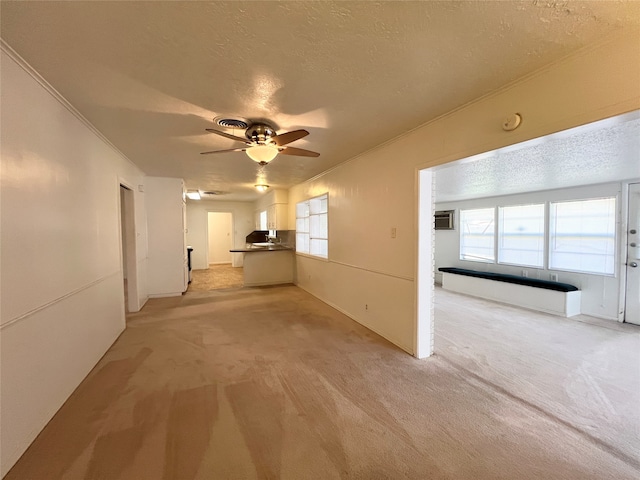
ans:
x=263 y=144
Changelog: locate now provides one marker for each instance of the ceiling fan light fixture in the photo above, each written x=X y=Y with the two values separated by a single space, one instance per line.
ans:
x=261 y=187
x=262 y=153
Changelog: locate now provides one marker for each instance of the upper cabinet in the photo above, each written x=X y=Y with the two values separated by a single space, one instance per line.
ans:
x=277 y=216
x=275 y=205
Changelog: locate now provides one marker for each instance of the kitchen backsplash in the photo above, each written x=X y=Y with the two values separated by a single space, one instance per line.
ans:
x=286 y=237
x=283 y=237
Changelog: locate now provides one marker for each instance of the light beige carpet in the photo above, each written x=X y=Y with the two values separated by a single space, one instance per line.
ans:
x=271 y=383
x=581 y=371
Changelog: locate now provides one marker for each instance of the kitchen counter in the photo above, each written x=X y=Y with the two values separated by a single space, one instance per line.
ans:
x=273 y=269
x=270 y=248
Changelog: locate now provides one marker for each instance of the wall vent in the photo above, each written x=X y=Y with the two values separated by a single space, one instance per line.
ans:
x=444 y=220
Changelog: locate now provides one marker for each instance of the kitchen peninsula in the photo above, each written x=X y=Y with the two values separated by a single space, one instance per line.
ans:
x=267 y=263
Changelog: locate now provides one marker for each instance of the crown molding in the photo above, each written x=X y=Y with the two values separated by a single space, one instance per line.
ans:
x=22 y=63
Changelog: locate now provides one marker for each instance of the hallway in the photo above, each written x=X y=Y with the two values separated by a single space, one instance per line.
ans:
x=272 y=383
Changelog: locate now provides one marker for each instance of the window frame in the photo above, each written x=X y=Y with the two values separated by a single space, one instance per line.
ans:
x=613 y=235
x=306 y=205
x=615 y=239
x=462 y=232
x=499 y=235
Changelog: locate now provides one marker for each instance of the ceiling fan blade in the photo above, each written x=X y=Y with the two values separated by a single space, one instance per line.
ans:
x=300 y=152
x=224 y=151
x=289 y=137
x=227 y=135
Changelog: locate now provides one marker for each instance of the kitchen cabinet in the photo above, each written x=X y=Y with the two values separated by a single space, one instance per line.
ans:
x=276 y=207
x=277 y=216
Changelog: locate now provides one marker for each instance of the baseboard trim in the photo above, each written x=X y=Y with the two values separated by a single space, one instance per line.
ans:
x=164 y=295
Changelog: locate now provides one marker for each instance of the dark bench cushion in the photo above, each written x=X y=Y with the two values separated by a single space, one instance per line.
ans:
x=501 y=277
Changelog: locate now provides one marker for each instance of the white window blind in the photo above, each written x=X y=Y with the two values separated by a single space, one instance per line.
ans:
x=477 y=234
x=583 y=236
x=521 y=235
x=312 y=226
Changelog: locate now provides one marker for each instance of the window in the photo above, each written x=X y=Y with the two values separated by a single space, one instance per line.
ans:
x=521 y=235
x=582 y=236
x=263 y=220
x=312 y=232
x=477 y=235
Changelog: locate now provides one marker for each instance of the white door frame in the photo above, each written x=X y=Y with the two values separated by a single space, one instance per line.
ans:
x=425 y=312
x=630 y=255
x=128 y=247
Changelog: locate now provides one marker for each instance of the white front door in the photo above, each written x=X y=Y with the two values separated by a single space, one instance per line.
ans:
x=632 y=296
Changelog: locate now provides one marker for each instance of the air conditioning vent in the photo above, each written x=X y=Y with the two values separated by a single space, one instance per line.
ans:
x=444 y=220
x=230 y=122
x=213 y=193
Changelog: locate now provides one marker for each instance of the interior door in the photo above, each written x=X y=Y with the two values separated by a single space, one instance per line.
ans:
x=220 y=234
x=632 y=296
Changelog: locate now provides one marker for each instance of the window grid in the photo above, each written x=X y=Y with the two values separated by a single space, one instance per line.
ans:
x=521 y=235
x=312 y=230
x=477 y=234
x=582 y=236
x=573 y=236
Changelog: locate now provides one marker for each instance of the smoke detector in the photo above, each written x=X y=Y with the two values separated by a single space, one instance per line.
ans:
x=512 y=122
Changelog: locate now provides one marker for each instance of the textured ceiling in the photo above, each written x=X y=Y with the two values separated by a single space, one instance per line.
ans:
x=601 y=152
x=151 y=76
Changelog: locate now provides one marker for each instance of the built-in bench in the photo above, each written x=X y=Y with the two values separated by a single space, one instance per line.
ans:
x=542 y=295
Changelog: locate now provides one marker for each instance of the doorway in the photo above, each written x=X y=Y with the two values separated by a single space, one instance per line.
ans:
x=632 y=293
x=553 y=167
x=220 y=235
x=128 y=248
x=220 y=272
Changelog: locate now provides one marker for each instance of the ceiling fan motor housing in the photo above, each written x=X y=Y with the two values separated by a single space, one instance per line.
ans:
x=260 y=133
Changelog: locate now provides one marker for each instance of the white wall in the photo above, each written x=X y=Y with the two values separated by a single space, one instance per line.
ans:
x=197 y=213
x=220 y=229
x=376 y=191
x=600 y=294
x=62 y=276
x=369 y=275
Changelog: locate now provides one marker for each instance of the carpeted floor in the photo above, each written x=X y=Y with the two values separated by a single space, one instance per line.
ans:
x=271 y=383
x=216 y=277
